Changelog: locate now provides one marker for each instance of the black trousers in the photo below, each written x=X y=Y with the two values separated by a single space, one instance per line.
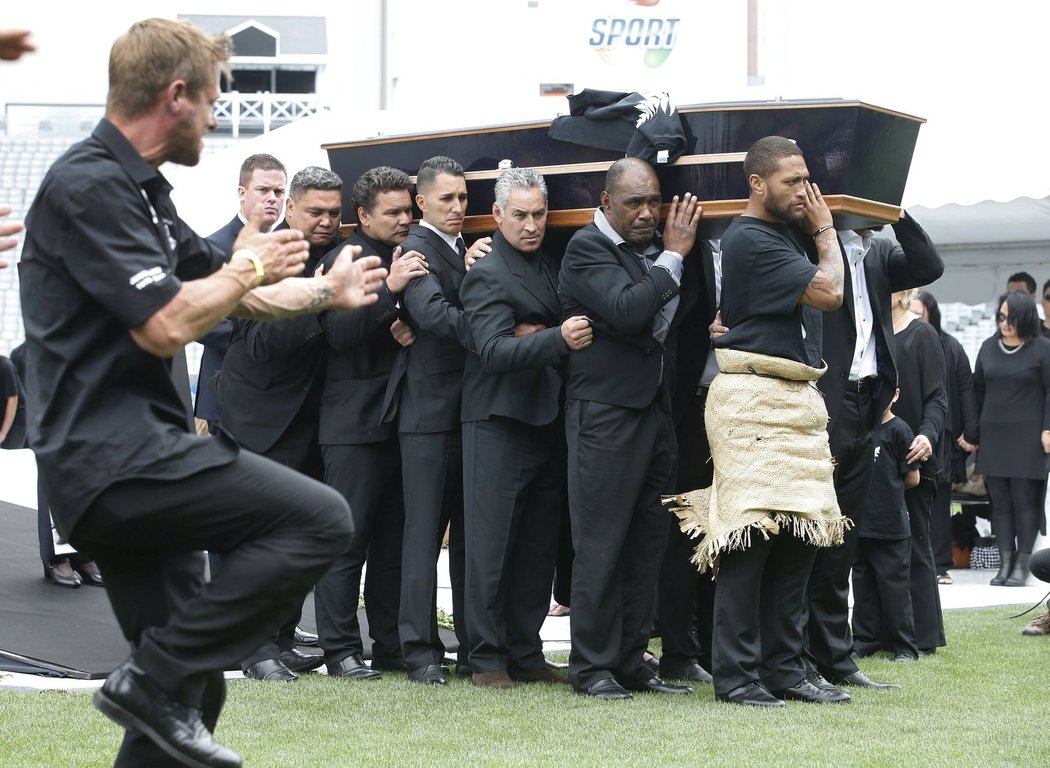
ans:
x=759 y=603
x=369 y=477
x=829 y=644
x=685 y=597
x=514 y=494
x=925 y=597
x=296 y=449
x=278 y=530
x=1017 y=509
x=941 y=527
x=882 y=611
x=619 y=462
x=432 y=473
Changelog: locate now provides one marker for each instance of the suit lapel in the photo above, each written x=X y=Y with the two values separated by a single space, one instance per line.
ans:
x=527 y=274
x=442 y=249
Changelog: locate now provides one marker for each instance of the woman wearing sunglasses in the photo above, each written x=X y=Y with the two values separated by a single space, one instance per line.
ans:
x=1012 y=380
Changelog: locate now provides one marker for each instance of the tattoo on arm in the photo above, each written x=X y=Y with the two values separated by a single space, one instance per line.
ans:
x=322 y=294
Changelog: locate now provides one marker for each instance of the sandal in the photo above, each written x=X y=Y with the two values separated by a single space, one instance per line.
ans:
x=944 y=578
x=558 y=610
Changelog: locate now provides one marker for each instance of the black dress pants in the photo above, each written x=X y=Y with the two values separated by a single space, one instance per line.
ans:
x=829 y=644
x=514 y=494
x=882 y=611
x=432 y=472
x=619 y=462
x=925 y=597
x=759 y=604
x=369 y=477
x=278 y=530
x=685 y=597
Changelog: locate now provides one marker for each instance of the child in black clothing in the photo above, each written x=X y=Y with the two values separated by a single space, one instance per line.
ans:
x=882 y=607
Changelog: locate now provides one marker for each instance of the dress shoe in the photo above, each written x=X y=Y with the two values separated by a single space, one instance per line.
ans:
x=428 y=674
x=302 y=637
x=130 y=699
x=497 y=678
x=692 y=672
x=270 y=669
x=904 y=656
x=90 y=574
x=751 y=695
x=860 y=680
x=818 y=680
x=300 y=662
x=650 y=660
x=62 y=574
x=542 y=675
x=806 y=691
x=354 y=668
x=656 y=685
x=606 y=689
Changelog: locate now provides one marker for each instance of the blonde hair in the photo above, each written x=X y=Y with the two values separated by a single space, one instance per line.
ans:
x=154 y=53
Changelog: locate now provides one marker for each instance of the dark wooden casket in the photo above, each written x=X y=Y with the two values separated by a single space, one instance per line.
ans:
x=858 y=154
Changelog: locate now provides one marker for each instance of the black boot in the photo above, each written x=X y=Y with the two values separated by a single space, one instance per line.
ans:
x=1019 y=573
x=1006 y=563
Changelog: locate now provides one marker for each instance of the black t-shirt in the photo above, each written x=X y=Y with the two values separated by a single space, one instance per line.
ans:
x=764 y=273
x=11 y=386
x=886 y=516
x=105 y=250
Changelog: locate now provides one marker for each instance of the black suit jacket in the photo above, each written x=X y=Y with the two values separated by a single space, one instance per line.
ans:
x=270 y=372
x=512 y=377
x=361 y=355
x=888 y=268
x=426 y=384
x=217 y=340
x=625 y=365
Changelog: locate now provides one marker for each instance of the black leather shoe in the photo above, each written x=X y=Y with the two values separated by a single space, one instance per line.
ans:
x=353 y=668
x=692 y=672
x=302 y=637
x=90 y=574
x=904 y=656
x=860 y=680
x=300 y=662
x=130 y=699
x=606 y=689
x=62 y=574
x=270 y=669
x=429 y=674
x=751 y=695
x=818 y=680
x=655 y=685
x=806 y=691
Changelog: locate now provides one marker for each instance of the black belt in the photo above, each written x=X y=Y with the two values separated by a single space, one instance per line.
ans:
x=861 y=385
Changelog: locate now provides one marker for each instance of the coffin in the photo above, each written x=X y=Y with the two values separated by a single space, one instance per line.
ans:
x=858 y=154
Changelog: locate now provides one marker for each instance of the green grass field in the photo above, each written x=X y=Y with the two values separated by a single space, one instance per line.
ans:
x=982 y=701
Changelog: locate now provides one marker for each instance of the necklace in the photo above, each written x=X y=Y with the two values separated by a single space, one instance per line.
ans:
x=1009 y=350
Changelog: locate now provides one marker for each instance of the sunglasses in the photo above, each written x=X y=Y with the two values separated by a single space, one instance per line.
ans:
x=1001 y=318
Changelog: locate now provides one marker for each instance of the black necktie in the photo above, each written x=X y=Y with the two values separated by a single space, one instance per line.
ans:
x=461 y=248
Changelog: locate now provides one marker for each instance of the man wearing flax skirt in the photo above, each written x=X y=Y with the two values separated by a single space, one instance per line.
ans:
x=773 y=501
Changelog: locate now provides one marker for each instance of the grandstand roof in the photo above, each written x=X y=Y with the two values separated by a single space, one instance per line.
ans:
x=1025 y=221
x=299 y=34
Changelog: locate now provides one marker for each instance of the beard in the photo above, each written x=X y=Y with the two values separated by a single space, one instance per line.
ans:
x=784 y=214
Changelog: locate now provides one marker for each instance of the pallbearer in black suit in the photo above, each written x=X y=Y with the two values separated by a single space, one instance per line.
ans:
x=361 y=457
x=262 y=182
x=625 y=277
x=269 y=390
x=513 y=436
x=424 y=391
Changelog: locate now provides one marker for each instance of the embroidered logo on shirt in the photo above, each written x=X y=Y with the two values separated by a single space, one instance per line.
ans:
x=148 y=277
x=878 y=450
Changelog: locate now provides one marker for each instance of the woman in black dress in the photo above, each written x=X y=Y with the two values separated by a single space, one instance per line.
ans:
x=1012 y=380
x=923 y=406
x=960 y=431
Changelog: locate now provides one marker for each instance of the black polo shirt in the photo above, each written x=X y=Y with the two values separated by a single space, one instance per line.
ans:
x=104 y=250
x=765 y=270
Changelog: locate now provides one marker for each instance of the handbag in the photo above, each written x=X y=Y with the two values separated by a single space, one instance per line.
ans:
x=985 y=554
